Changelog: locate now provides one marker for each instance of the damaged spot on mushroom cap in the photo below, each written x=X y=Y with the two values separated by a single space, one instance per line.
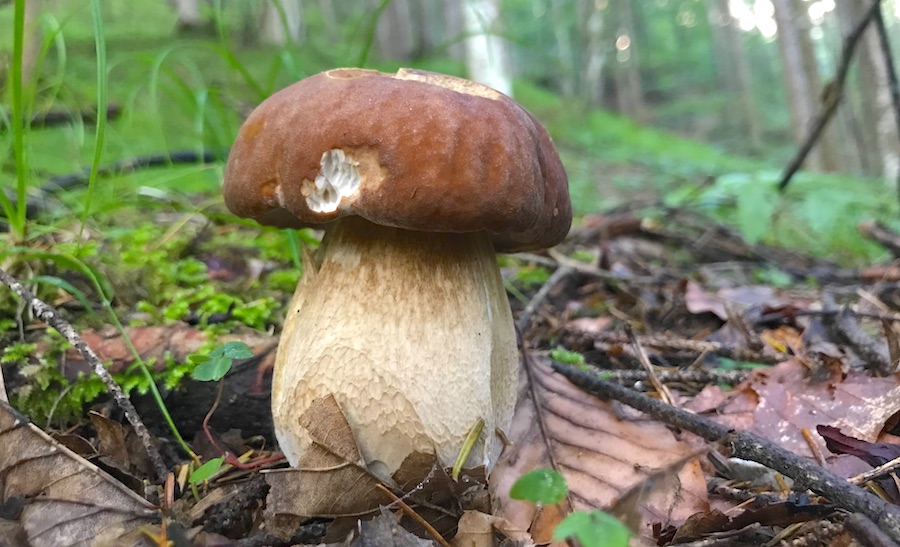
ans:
x=338 y=178
x=452 y=83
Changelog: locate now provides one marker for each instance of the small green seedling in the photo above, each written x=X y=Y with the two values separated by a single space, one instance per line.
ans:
x=206 y=471
x=217 y=363
x=591 y=529
x=211 y=368
x=544 y=486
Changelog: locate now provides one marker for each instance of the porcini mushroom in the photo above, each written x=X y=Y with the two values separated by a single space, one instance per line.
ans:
x=418 y=179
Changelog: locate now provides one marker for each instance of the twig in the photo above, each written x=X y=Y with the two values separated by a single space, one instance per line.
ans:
x=411 y=513
x=749 y=446
x=660 y=388
x=681 y=376
x=51 y=316
x=833 y=94
x=686 y=344
x=556 y=278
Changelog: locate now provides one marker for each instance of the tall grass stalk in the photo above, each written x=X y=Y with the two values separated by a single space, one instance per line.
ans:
x=100 y=133
x=15 y=212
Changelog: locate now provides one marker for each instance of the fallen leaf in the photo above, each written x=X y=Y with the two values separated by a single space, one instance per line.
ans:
x=384 y=531
x=66 y=499
x=778 y=402
x=600 y=455
x=477 y=529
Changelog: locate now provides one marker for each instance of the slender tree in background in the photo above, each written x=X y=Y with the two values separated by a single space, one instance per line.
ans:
x=32 y=40
x=282 y=22
x=881 y=144
x=594 y=15
x=189 y=16
x=394 y=35
x=487 y=60
x=626 y=73
x=802 y=81
x=562 y=36
x=734 y=69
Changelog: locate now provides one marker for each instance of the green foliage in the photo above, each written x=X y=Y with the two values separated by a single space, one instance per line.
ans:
x=545 y=486
x=532 y=276
x=818 y=213
x=591 y=529
x=563 y=355
x=45 y=391
x=206 y=471
x=217 y=363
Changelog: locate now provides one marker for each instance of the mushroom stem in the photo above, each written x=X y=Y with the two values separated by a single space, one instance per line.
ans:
x=412 y=334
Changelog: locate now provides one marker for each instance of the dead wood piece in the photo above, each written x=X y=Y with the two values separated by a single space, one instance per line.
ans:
x=877 y=231
x=50 y=315
x=702 y=377
x=310 y=532
x=833 y=93
x=867 y=532
x=746 y=445
x=844 y=325
x=234 y=517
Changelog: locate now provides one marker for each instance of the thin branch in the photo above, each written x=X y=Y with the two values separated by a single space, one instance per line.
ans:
x=833 y=93
x=51 y=316
x=555 y=279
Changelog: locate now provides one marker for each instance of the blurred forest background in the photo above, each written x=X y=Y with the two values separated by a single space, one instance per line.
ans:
x=701 y=102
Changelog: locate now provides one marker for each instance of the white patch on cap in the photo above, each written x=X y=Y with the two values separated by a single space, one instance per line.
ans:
x=337 y=179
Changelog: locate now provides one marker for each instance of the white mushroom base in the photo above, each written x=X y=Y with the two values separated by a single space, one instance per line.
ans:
x=412 y=334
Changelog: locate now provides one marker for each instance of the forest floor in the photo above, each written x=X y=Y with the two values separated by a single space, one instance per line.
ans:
x=760 y=340
x=771 y=318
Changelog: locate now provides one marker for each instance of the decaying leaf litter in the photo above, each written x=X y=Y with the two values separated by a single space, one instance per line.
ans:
x=794 y=365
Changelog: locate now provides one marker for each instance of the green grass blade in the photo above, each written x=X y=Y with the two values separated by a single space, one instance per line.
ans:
x=99 y=135
x=15 y=213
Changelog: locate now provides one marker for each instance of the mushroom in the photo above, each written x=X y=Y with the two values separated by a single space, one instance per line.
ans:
x=418 y=178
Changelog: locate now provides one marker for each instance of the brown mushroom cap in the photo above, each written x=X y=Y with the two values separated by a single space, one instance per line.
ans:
x=414 y=150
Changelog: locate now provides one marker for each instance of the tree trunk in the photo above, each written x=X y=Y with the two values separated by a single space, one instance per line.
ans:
x=487 y=59
x=455 y=29
x=734 y=69
x=394 y=36
x=881 y=143
x=566 y=73
x=629 y=89
x=189 y=17
x=282 y=22
x=595 y=55
x=802 y=81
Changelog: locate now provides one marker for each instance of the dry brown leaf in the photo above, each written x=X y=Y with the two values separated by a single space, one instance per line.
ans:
x=325 y=483
x=112 y=439
x=384 y=531
x=67 y=500
x=778 y=402
x=477 y=529
x=699 y=300
x=600 y=455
